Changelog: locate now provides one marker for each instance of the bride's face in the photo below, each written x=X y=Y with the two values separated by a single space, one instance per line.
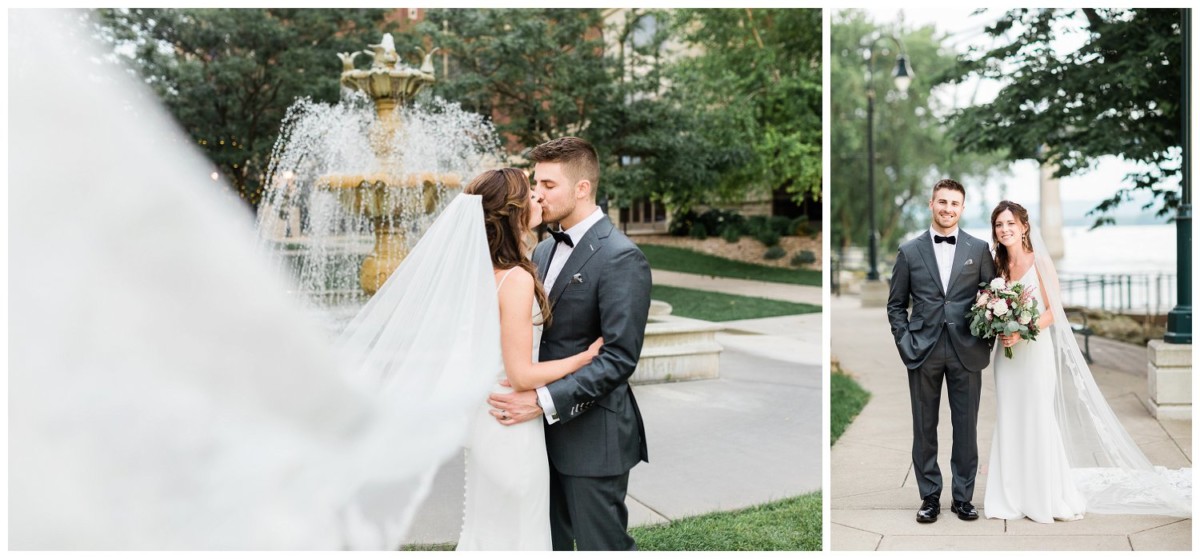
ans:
x=1009 y=230
x=535 y=209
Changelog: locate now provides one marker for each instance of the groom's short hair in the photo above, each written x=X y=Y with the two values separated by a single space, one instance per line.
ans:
x=577 y=156
x=951 y=184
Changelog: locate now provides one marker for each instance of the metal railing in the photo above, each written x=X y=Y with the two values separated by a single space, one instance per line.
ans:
x=1148 y=293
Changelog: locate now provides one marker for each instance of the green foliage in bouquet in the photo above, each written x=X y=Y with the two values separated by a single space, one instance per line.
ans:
x=1004 y=308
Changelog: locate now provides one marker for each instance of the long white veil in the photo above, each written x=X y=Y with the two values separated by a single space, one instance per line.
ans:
x=1111 y=471
x=164 y=391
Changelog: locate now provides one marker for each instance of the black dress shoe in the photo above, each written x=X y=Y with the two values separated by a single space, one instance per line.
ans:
x=930 y=508
x=964 y=509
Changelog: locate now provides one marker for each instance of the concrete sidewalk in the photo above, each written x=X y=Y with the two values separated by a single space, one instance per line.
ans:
x=781 y=291
x=874 y=497
x=750 y=437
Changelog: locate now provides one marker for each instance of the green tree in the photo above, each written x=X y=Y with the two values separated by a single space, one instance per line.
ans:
x=229 y=75
x=1117 y=95
x=912 y=148
x=539 y=74
x=664 y=147
x=758 y=73
x=546 y=73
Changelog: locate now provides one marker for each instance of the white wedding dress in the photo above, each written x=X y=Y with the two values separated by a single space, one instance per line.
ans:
x=507 y=501
x=1059 y=450
x=1028 y=472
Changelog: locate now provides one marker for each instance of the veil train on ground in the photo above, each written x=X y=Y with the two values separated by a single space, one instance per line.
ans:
x=1111 y=471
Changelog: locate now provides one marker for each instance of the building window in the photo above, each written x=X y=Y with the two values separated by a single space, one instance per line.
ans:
x=413 y=13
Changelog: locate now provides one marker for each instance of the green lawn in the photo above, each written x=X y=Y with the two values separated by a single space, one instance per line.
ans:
x=790 y=524
x=719 y=307
x=846 y=399
x=675 y=259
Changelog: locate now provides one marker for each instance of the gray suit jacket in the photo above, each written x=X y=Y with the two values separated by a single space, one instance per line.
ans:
x=915 y=278
x=603 y=290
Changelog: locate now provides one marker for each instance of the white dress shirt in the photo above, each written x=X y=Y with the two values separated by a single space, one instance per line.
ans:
x=561 y=253
x=944 y=252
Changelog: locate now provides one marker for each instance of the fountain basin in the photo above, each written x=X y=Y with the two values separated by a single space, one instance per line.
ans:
x=381 y=195
x=678 y=349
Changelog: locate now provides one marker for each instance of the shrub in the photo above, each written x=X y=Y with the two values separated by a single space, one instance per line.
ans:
x=781 y=225
x=775 y=253
x=799 y=226
x=699 y=231
x=767 y=237
x=730 y=233
x=681 y=225
x=803 y=257
x=716 y=219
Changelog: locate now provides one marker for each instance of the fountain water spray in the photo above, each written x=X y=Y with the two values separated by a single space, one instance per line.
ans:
x=351 y=189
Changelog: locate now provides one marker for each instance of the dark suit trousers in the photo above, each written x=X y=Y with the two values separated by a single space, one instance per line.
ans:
x=925 y=390
x=588 y=513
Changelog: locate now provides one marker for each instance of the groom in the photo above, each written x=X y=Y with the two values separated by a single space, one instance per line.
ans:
x=598 y=284
x=939 y=272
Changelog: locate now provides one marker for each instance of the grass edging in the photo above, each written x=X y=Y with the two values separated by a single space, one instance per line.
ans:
x=720 y=307
x=846 y=400
x=675 y=259
x=786 y=525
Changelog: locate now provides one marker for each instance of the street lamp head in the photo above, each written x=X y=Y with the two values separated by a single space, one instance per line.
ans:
x=902 y=75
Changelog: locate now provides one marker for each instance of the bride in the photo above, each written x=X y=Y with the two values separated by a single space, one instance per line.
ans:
x=1058 y=450
x=508 y=477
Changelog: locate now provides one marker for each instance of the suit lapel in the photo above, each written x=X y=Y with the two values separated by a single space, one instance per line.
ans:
x=925 y=246
x=961 y=250
x=583 y=251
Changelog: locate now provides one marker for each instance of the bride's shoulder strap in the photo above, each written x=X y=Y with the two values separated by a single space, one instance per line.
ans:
x=506 y=274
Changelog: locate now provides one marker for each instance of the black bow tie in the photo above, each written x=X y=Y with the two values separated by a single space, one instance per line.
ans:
x=941 y=239
x=562 y=237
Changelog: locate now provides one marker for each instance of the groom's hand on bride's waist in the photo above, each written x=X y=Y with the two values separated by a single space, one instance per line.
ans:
x=517 y=407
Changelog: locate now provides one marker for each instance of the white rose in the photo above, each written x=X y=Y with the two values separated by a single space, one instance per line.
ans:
x=982 y=301
x=997 y=283
x=1024 y=318
x=1000 y=308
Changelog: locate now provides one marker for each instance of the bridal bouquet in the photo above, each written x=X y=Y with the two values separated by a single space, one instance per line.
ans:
x=1004 y=308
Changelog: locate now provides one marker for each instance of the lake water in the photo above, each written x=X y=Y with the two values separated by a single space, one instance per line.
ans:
x=1138 y=263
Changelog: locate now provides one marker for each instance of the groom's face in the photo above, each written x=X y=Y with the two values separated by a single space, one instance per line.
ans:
x=558 y=192
x=946 y=205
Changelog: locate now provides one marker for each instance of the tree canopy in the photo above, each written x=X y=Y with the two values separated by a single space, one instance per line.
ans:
x=1116 y=95
x=912 y=147
x=228 y=76
x=684 y=106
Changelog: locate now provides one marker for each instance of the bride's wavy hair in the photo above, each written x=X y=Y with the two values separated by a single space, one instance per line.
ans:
x=1022 y=215
x=505 y=196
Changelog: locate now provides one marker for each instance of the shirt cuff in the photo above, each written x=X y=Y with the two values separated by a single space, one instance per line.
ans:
x=547 y=405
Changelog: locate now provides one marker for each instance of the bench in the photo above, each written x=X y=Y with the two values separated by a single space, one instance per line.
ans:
x=1079 y=325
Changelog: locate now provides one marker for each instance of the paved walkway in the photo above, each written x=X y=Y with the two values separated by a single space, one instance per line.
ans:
x=874 y=496
x=752 y=436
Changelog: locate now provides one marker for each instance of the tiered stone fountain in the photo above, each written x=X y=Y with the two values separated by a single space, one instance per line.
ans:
x=387 y=197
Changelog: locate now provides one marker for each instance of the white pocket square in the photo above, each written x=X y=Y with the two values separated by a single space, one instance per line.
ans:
x=969 y=262
x=577 y=278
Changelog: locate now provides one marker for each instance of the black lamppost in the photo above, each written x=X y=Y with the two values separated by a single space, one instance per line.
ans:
x=902 y=77
x=1179 y=319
